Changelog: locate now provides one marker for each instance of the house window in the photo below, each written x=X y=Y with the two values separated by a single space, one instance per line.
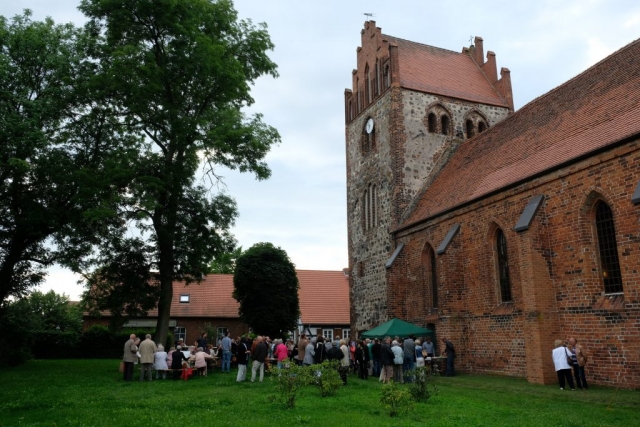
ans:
x=180 y=332
x=328 y=334
x=346 y=334
x=608 y=249
x=184 y=298
x=444 y=121
x=222 y=331
x=503 y=267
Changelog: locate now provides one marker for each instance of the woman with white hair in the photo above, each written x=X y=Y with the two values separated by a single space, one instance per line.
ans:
x=559 y=354
x=398 y=360
x=160 y=362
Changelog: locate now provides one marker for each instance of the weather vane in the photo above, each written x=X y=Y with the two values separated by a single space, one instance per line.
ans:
x=471 y=39
x=369 y=16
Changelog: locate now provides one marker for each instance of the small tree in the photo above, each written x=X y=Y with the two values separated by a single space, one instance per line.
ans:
x=327 y=378
x=422 y=386
x=288 y=381
x=266 y=287
x=396 y=400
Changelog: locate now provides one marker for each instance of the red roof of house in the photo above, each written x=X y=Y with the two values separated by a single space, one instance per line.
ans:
x=595 y=109
x=444 y=72
x=324 y=297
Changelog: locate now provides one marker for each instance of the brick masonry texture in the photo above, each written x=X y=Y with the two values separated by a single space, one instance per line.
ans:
x=577 y=146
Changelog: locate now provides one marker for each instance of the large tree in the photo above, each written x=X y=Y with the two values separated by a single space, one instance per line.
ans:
x=182 y=71
x=61 y=151
x=266 y=287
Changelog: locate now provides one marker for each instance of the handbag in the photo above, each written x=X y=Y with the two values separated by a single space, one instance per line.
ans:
x=424 y=353
x=569 y=360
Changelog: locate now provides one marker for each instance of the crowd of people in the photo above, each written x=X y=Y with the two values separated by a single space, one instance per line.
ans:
x=384 y=359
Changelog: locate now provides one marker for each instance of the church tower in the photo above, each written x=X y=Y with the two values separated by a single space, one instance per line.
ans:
x=411 y=105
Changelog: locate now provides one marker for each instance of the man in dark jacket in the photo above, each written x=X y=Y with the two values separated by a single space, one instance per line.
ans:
x=375 y=353
x=259 y=355
x=386 y=358
x=320 y=351
x=334 y=353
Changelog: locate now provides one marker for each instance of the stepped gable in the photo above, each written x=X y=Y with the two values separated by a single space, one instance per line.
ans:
x=439 y=71
x=593 y=110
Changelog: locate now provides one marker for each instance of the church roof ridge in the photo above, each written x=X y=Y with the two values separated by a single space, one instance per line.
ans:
x=558 y=127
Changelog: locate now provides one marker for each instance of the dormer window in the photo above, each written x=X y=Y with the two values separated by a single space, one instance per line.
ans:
x=469 y=129
x=432 y=123
x=184 y=298
x=444 y=129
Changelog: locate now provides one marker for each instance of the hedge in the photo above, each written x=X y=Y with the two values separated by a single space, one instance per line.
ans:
x=97 y=342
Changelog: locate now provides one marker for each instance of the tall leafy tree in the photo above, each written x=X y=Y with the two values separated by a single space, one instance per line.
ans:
x=265 y=284
x=182 y=70
x=225 y=262
x=61 y=151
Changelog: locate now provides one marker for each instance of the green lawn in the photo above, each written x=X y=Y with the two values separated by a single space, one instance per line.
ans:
x=91 y=393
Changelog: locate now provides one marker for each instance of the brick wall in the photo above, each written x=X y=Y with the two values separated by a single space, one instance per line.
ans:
x=554 y=269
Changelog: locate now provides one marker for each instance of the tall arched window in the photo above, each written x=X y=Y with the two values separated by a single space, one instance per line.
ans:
x=377 y=79
x=370 y=207
x=367 y=86
x=503 y=267
x=482 y=127
x=434 y=279
x=432 y=123
x=387 y=76
x=444 y=125
x=608 y=249
x=469 y=129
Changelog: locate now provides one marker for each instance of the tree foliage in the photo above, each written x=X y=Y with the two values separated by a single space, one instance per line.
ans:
x=225 y=262
x=61 y=151
x=182 y=72
x=266 y=287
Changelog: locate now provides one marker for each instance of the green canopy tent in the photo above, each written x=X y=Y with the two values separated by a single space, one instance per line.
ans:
x=396 y=327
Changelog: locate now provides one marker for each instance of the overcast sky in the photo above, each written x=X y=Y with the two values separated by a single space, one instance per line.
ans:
x=302 y=208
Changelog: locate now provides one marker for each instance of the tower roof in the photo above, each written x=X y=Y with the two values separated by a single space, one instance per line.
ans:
x=443 y=72
x=590 y=112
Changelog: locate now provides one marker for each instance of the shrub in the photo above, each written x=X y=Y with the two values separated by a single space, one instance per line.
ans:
x=422 y=386
x=326 y=377
x=55 y=344
x=396 y=400
x=288 y=382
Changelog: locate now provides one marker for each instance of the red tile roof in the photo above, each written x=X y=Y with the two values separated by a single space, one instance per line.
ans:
x=595 y=109
x=324 y=297
x=439 y=71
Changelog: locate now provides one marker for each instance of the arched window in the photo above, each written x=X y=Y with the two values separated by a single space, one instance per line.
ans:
x=608 y=249
x=432 y=123
x=367 y=86
x=374 y=206
x=444 y=125
x=365 y=210
x=387 y=76
x=469 y=125
x=434 y=279
x=482 y=127
x=357 y=94
x=376 y=90
x=503 y=267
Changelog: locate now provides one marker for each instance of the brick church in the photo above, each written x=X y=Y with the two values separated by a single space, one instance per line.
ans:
x=502 y=230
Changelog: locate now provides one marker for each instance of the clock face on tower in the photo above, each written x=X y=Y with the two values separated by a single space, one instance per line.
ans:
x=369 y=126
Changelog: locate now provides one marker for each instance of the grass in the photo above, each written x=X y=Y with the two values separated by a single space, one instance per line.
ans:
x=92 y=393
